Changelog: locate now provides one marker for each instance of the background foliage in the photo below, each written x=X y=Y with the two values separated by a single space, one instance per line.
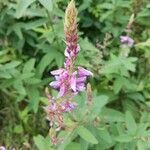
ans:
x=31 y=44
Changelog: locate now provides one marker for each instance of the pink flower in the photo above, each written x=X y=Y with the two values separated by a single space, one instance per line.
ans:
x=127 y=40
x=73 y=82
x=57 y=72
x=72 y=50
x=68 y=63
x=61 y=83
x=83 y=72
x=81 y=83
x=68 y=80
x=2 y=148
x=69 y=106
x=63 y=90
x=55 y=84
x=81 y=86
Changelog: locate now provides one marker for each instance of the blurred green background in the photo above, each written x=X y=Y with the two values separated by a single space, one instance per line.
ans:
x=32 y=44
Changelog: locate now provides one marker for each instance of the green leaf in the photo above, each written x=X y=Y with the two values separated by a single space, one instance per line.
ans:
x=104 y=134
x=11 y=65
x=73 y=146
x=22 y=6
x=111 y=115
x=86 y=135
x=129 y=63
x=25 y=76
x=82 y=61
x=67 y=137
x=98 y=103
x=42 y=143
x=84 y=144
x=18 y=85
x=34 y=24
x=45 y=61
x=130 y=123
x=32 y=81
x=29 y=65
x=5 y=74
x=47 y=4
x=106 y=6
x=136 y=96
x=118 y=83
x=144 y=13
x=124 y=138
x=119 y=65
x=17 y=29
x=87 y=45
x=130 y=106
x=24 y=115
x=144 y=46
x=34 y=98
x=140 y=145
x=36 y=12
x=18 y=129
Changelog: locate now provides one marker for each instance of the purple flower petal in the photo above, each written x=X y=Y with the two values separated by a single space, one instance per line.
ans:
x=127 y=40
x=57 y=77
x=62 y=90
x=2 y=148
x=73 y=82
x=55 y=84
x=58 y=72
x=78 y=49
x=81 y=79
x=64 y=75
x=83 y=72
x=68 y=62
x=66 y=52
x=123 y=38
x=69 y=106
x=81 y=86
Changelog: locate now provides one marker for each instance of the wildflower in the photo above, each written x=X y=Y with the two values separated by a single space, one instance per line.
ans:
x=2 y=148
x=55 y=113
x=69 y=80
x=127 y=40
x=83 y=72
x=69 y=106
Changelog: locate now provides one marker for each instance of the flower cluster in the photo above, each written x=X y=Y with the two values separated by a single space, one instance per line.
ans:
x=69 y=80
x=55 y=110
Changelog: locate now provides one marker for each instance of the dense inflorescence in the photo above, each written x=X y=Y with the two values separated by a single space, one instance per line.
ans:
x=70 y=79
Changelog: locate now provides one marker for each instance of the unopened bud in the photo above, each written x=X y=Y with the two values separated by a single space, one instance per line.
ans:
x=70 y=24
x=52 y=132
x=89 y=95
x=70 y=15
x=48 y=94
